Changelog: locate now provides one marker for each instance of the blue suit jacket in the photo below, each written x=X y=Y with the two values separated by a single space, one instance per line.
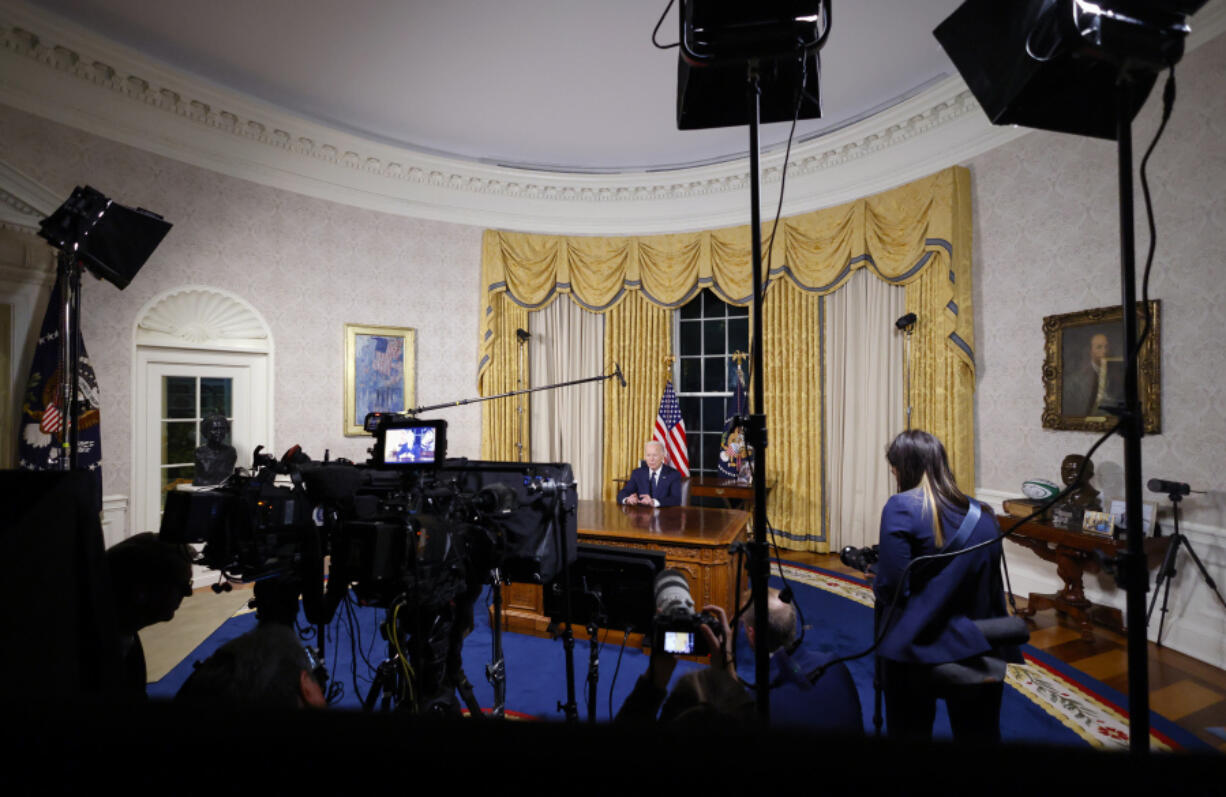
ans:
x=668 y=489
x=832 y=704
x=931 y=622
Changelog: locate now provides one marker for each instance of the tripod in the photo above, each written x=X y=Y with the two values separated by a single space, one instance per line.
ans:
x=1167 y=571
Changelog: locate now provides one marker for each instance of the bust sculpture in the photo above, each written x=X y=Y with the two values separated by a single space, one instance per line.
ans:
x=215 y=459
x=1083 y=497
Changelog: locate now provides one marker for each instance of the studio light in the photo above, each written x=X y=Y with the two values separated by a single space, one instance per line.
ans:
x=112 y=241
x=720 y=37
x=1054 y=64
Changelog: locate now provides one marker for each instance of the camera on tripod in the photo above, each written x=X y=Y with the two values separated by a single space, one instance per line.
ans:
x=408 y=531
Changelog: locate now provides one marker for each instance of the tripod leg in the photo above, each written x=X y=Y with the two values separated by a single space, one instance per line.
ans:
x=1203 y=572
x=465 y=688
x=1165 y=572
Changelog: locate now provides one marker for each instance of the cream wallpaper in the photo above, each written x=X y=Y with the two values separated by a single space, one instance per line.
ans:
x=308 y=266
x=1047 y=242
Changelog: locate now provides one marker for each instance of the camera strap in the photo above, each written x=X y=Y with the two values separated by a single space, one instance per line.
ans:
x=964 y=531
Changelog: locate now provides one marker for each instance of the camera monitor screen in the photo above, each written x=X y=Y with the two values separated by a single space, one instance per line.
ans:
x=411 y=443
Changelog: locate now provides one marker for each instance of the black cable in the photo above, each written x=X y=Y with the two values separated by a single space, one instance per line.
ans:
x=787 y=155
x=883 y=626
x=616 y=669
x=657 y=30
x=1168 y=104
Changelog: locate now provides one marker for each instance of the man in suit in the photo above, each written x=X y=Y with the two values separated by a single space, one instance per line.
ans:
x=654 y=483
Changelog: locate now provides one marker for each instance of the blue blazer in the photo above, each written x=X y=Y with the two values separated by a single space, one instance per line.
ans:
x=931 y=622
x=668 y=487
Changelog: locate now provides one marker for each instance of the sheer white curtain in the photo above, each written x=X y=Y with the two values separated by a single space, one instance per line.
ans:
x=864 y=404
x=567 y=424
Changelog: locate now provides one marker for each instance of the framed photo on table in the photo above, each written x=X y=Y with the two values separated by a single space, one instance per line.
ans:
x=1083 y=369
x=380 y=363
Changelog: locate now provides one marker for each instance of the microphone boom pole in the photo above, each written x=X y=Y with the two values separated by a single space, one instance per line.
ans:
x=617 y=373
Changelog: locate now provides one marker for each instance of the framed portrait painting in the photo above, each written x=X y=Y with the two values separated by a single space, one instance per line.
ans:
x=1083 y=369
x=379 y=366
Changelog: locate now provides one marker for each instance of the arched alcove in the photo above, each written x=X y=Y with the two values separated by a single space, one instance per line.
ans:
x=196 y=349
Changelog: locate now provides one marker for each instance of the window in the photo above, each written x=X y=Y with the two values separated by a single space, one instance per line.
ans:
x=186 y=400
x=708 y=332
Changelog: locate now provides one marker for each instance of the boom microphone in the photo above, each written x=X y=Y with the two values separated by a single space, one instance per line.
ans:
x=906 y=321
x=618 y=373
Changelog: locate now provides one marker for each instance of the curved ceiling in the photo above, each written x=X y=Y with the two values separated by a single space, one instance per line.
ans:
x=562 y=85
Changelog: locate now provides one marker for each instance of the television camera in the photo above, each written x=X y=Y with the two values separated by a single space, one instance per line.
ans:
x=409 y=531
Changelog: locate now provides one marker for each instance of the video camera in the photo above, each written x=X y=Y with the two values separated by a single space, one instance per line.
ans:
x=409 y=529
x=407 y=508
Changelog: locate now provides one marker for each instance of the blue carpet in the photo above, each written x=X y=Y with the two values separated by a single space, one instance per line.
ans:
x=536 y=667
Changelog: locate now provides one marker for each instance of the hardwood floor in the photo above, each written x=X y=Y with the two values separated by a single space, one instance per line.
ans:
x=1187 y=691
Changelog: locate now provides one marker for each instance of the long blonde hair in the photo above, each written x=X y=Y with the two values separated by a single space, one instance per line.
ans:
x=920 y=461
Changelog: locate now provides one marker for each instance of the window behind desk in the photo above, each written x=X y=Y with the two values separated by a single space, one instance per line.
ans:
x=707 y=333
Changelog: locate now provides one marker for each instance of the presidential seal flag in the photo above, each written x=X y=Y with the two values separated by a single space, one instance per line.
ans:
x=41 y=446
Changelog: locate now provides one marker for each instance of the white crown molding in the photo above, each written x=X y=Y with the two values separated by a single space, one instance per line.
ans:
x=24 y=202
x=201 y=317
x=53 y=69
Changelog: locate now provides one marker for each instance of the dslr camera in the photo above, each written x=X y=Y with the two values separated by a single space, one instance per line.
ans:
x=676 y=624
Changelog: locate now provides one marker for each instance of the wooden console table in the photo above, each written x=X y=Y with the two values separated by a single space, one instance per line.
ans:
x=1074 y=552
x=694 y=540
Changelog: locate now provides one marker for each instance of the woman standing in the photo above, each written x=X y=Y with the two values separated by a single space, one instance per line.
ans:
x=933 y=608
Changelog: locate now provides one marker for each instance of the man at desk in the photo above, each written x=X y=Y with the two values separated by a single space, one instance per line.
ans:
x=653 y=483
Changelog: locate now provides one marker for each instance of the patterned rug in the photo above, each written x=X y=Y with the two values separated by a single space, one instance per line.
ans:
x=1081 y=704
x=1046 y=702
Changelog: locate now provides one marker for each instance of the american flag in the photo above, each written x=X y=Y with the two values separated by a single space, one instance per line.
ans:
x=51 y=420
x=670 y=430
x=387 y=355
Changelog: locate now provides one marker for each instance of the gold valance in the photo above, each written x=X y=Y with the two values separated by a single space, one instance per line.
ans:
x=917 y=235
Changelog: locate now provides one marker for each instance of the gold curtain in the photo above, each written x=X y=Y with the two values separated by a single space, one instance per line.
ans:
x=792 y=390
x=637 y=335
x=917 y=235
x=499 y=420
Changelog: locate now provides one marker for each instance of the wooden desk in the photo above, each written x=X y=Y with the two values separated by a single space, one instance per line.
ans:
x=694 y=540
x=1074 y=553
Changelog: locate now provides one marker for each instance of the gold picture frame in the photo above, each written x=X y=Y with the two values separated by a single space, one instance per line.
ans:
x=380 y=365
x=1083 y=369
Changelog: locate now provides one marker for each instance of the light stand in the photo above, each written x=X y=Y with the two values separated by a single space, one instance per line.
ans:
x=1084 y=68
x=522 y=337
x=718 y=42
x=907 y=325
x=113 y=241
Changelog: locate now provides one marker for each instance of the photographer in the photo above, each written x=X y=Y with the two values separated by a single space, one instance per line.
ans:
x=266 y=667
x=830 y=704
x=707 y=697
x=931 y=621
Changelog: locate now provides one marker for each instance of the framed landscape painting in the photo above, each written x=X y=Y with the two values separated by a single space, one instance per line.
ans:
x=379 y=367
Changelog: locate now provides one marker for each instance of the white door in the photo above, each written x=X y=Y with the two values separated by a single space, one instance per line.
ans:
x=179 y=389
